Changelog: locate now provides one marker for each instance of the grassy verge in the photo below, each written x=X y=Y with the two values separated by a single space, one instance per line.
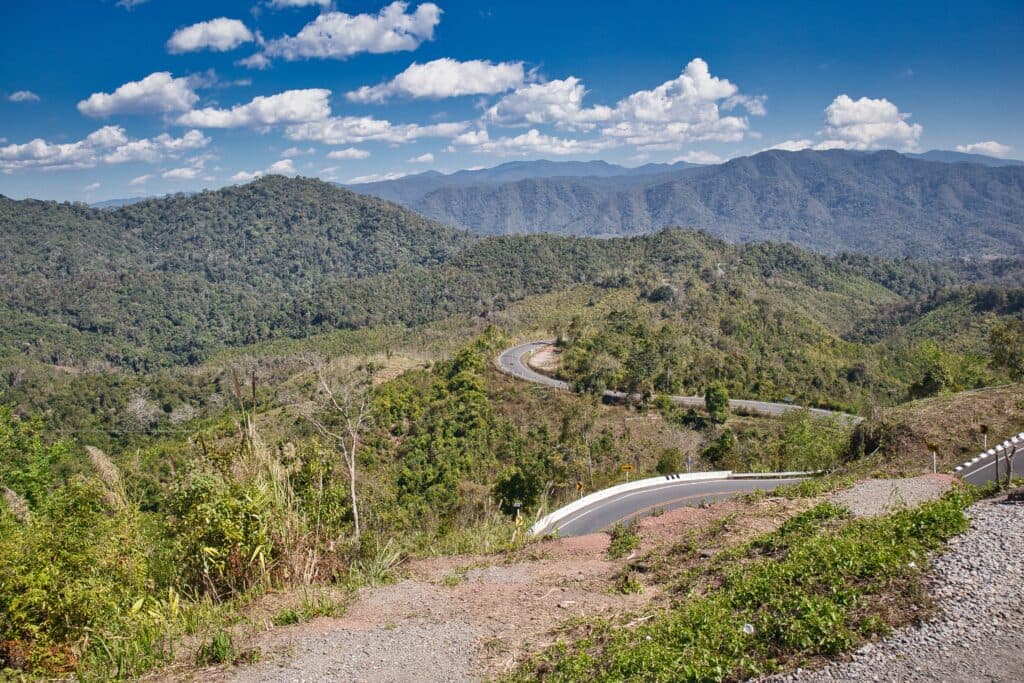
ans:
x=817 y=586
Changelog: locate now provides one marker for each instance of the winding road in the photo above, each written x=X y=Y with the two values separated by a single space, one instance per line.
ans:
x=629 y=505
x=664 y=494
x=511 y=362
x=602 y=509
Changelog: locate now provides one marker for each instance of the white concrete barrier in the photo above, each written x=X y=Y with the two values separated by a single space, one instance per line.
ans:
x=1012 y=441
x=544 y=523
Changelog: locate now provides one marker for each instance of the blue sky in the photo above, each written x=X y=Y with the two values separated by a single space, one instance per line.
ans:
x=101 y=99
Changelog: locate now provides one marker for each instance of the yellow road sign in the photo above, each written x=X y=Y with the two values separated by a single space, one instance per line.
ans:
x=626 y=468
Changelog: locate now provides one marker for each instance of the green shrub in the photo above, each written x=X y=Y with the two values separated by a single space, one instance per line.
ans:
x=74 y=568
x=223 y=534
x=716 y=402
x=624 y=540
x=219 y=649
x=670 y=461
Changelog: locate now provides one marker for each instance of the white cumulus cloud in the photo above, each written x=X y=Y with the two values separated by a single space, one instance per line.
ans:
x=559 y=102
x=39 y=153
x=688 y=108
x=445 y=77
x=290 y=106
x=427 y=158
x=91 y=186
x=791 y=145
x=109 y=145
x=296 y=152
x=346 y=130
x=337 y=35
x=221 y=34
x=699 y=157
x=988 y=147
x=154 y=149
x=534 y=142
x=281 y=167
x=23 y=96
x=157 y=92
x=376 y=177
x=868 y=123
x=140 y=180
x=257 y=61
x=348 y=153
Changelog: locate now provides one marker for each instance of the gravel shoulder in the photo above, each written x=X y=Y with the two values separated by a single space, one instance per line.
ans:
x=976 y=633
x=874 y=497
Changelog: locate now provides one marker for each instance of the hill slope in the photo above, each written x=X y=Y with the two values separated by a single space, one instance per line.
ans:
x=168 y=281
x=187 y=273
x=883 y=203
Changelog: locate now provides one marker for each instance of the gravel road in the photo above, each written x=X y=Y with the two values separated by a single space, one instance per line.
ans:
x=976 y=635
x=873 y=497
x=406 y=651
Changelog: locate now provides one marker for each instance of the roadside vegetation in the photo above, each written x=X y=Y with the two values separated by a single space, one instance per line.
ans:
x=817 y=586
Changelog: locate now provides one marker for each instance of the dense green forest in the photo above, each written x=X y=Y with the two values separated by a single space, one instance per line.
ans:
x=166 y=282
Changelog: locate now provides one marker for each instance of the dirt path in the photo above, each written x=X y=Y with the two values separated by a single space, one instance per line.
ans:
x=452 y=619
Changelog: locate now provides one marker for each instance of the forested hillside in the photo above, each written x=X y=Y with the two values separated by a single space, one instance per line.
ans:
x=167 y=281
x=883 y=203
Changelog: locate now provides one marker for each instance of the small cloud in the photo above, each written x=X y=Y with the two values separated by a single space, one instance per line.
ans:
x=445 y=77
x=290 y=106
x=791 y=145
x=376 y=177
x=157 y=92
x=184 y=173
x=699 y=157
x=220 y=35
x=257 y=61
x=296 y=152
x=868 y=123
x=130 y=4
x=23 y=96
x=140 y=180
x=284 y=4
x=427 y=158
x=91 y=186
x=348 y=153
x=282 y=167
x=988 y=147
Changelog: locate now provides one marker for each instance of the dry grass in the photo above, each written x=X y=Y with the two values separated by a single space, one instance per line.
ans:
x=896 y=438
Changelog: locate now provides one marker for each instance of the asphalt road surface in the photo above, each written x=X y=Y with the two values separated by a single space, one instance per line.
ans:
x=511 y=361
x=631 y=505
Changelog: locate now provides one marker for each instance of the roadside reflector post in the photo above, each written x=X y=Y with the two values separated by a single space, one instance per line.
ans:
x=935 y=458
x=1010 y=452
x=983 y=428
x=1000 y=449
x=519 y=520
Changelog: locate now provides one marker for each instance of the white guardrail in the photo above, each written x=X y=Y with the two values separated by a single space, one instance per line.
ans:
x=546 y=522
x=1000 y=449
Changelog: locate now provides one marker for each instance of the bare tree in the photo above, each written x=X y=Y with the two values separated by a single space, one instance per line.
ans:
x=339 y=410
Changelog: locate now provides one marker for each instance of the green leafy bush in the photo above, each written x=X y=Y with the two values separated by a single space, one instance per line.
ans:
x=624 y=540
